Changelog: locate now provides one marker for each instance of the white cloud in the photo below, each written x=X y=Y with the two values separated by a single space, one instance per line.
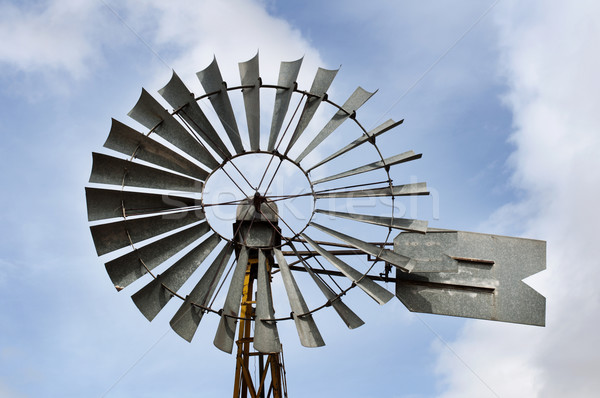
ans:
x=187 y=36
x=71 y=36
x=52 y=36
x=551 y=70
x=189 y=33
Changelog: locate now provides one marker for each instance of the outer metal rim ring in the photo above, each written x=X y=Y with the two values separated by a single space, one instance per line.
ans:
x=389 y=180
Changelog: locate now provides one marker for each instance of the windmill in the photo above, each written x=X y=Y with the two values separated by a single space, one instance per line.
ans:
x=218 y=219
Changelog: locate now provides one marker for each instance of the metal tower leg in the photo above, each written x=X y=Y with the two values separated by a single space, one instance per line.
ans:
x=244 y=385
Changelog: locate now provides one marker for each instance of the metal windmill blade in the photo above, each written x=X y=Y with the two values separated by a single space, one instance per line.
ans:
x=216 y=90
x=316 y=95
x=355 y=101
x=179 y=97
x=186 y=320
x=346 y=314
x=376 y=292
x=186 y=213
x=288 y=73
x=251 y=80
x=151 y=114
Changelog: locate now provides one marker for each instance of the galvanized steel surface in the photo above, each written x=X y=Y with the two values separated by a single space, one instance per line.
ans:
x=288 y=73
x=404 y=263
x=109 y=203
x=250 y=77
x=367 y=137
x=213 y=84
x=150 y=113
x=114 y=171
x=126 y=140
x=305 y=324
x=186 y=320
x=345 y=313
x=116 y=235
x=231 y=308
x=246 y=211
x=356 y=100
x=406 y=224
x=419 y=188
x=397 y=159
x=472 y=275
x=180 y=98
x=266 y=337
x=320 y=85
x=154 y=296
x=130 y=267
x=375 y=291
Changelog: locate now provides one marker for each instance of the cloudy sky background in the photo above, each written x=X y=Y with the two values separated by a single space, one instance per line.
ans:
x=501 y=98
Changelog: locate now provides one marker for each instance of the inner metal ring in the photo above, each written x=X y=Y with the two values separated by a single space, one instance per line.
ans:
x=207 y=206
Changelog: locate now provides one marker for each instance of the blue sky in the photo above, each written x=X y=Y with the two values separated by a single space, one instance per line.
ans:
x=500 y=97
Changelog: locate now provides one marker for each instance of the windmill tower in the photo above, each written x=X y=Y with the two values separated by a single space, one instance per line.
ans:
x=276 y=233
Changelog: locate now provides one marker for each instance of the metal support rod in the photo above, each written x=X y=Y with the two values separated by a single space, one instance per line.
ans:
x=261 y=367
x=244 y=385
x=242 y=382
x=336 y=273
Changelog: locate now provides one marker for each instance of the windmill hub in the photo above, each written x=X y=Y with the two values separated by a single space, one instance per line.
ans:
x=257 y=208
x=272 y=188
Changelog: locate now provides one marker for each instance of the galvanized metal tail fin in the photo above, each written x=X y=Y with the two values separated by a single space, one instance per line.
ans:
x=472 y=275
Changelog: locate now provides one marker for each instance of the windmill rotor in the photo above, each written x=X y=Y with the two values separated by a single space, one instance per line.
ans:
x=183 y=152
